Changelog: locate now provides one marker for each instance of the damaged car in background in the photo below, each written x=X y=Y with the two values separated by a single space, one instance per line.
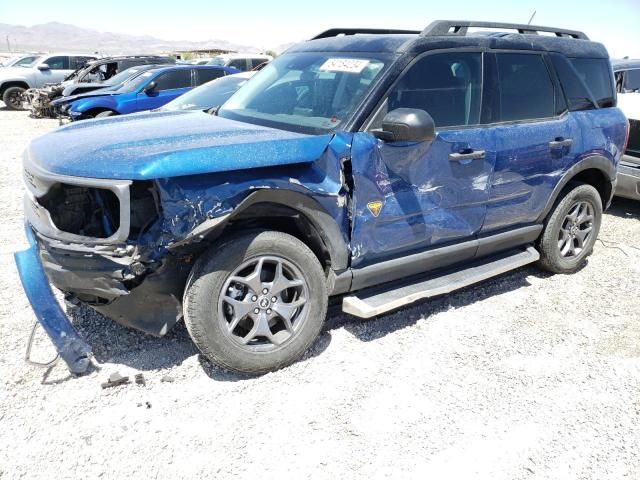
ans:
x=380 y=168
x=97 y=74
x=146 y=90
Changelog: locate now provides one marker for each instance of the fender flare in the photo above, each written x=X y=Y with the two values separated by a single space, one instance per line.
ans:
x=324 y=224
x=10 y=81
x=596 y=162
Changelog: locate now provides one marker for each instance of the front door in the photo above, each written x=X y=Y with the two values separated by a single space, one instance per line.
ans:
x=58 y=69
x=410 y=197
x=169 y=85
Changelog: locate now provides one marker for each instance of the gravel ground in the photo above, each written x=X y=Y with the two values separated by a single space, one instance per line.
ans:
x=525 y=376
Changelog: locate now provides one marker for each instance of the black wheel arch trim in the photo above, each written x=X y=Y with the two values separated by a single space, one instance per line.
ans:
x=596 y=162
x=323 y=223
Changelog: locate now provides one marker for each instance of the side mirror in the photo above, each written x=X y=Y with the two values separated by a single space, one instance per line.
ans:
x=43 y=66
x=406 y=125
x=151 y=86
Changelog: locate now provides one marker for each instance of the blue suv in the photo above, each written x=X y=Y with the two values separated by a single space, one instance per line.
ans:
x=149 y=89
x=376 y=167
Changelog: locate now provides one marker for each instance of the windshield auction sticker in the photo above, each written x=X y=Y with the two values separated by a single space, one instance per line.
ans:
x=348 y=65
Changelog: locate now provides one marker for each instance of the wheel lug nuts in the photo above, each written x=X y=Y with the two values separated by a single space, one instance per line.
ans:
x=274 y=299
x=254 y=298
x=268 y=311
x=256 y=310
x=265 y=290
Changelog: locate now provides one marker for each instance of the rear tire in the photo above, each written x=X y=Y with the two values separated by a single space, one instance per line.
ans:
x=257 y=302
x=571 y=230
x=13 y=99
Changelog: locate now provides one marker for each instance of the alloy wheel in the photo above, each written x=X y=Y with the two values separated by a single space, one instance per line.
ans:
x=575 y=232
x=263 y=303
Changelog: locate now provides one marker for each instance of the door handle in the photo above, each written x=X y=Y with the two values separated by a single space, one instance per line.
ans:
x=560 y=142
x=467 y=155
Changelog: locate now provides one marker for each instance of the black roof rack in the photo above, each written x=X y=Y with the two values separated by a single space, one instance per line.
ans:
x=334 y=32
x=460 y=27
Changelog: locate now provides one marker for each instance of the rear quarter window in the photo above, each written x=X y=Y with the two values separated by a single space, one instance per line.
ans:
x=597 y=76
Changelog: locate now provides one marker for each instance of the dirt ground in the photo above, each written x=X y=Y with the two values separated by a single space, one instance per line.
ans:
x=528 y=375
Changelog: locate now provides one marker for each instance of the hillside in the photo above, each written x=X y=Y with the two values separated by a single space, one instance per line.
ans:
x=59 y=36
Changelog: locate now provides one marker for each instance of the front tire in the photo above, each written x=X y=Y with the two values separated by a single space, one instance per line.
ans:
x=106 y=113
x=257 y=302
x=13 y=98
x=571 y=230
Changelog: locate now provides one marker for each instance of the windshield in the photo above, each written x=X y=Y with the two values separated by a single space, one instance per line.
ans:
x=23 y=61
x=211 y=94
x=28 y=61
x=126 y=75
x=306 y=92
x=219 y=61
x=136 y=82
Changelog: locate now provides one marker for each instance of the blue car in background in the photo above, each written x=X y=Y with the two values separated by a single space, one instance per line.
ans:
x=150 y=89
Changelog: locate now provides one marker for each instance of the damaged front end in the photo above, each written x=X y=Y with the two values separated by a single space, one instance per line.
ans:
x=126 y=246
x=81 y=233
x=39 y=100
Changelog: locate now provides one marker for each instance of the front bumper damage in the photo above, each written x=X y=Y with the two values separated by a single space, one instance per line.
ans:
x=68 y=343
x=138 y=285
x=147 y=301
x=39 y=101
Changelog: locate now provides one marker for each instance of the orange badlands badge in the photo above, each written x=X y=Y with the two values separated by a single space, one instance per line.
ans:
x=375 y=207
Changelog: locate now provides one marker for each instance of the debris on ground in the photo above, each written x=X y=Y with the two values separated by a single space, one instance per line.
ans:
x=114 y=380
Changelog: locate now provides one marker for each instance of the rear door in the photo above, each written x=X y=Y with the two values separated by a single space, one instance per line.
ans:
x=239 y=64
x=204 y=75
x=410 y=197
x=169 y=85
x=534 y=138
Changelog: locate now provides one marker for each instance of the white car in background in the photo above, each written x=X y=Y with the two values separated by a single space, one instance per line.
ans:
x=627 y=77
x=50 y=68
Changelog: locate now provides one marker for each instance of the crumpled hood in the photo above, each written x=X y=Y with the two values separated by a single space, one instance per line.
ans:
x=155 y=145
x=71 y=87
x=98 y=92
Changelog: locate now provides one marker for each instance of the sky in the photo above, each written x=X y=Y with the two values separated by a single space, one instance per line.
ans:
x=616 y=23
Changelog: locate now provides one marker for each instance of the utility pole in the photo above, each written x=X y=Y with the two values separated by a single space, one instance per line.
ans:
x=8 y=44
x=532 y=15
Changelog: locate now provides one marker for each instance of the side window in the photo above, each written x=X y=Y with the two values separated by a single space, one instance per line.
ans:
x=79 y=62
x=173 y=80
x=596 y=74
x=256 y=61
x=239 y=63
x=58 y=63
x=575 y=90
x=632 y=81
x=204 y=75
x=446 y=85
x=525 y=88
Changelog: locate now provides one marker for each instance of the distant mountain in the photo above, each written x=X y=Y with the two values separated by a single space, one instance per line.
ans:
x=53 y=36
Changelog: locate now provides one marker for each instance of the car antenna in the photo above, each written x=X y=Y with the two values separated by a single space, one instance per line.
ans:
x=532 y=15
